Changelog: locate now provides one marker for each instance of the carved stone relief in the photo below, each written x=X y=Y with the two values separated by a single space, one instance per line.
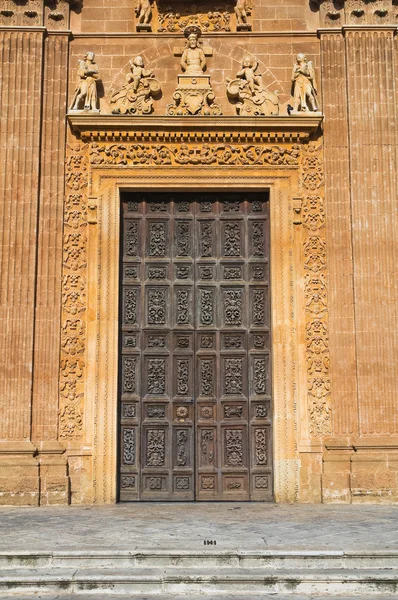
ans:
x=86 y=96
x=335 y=13
x=315 y=291
x=204 y=154
x=136 y=96
x=304 y=86
x=248 y=93
x=194 y=94
x=74 y=283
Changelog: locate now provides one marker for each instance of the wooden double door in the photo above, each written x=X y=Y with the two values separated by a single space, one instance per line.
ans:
x=194 y=376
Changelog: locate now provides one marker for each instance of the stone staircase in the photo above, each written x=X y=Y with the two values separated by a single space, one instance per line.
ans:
x=165 y=575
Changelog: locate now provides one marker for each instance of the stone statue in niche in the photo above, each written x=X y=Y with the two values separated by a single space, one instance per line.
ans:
x=249 y=91
x=143 y=13
x=194 y=94
x=242 y=10
x=86 y=97
x=304 y=88
x=136 y=96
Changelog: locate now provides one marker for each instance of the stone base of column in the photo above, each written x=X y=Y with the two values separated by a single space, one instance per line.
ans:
x=19 y=474
x=54 y=479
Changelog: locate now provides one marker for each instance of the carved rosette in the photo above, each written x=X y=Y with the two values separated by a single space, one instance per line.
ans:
x=315 y=290
x=73 y=326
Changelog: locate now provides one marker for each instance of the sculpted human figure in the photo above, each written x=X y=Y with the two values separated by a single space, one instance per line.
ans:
x=248 y=93
x=143 y=12
x=248 y=74
x=304 y=88
x=193 y=60
x=135 y=97
x=241 y=9
x=138 y=72
x=86 y=89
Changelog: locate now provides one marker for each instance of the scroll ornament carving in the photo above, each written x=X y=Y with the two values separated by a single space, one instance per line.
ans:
x=315 y=290
x=233 y=376
x=73 y=326
x=129 y=446
x=233 y=307
x=136 y=96
x=248 y=93
x=194 y=94
x=183 y=307
x=182 y=377
x=156 y=376
x=157 y=307
x=86 y=97
x=234 y=447
x=155 y=450
x=204 y=154
x=182 y=438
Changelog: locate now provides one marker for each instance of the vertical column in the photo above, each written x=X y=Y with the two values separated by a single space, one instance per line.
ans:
x=21 y=79
x=336 y=477
x=54 y=484
x=374 y=222
x=373 y=162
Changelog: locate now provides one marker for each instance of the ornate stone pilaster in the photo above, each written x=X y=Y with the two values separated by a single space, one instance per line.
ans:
x=54 y=483
x=371 y=85
x=74 y=278
x=21 y=87
x=338 y=236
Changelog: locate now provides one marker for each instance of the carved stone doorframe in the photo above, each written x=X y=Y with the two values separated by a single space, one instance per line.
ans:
x=102 y=164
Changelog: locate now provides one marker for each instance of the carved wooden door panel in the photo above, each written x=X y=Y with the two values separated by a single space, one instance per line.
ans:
x=195 y=398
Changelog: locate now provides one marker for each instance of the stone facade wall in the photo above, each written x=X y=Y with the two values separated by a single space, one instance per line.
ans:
x=343 y=438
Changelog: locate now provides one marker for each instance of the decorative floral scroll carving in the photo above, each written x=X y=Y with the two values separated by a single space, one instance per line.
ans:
x=234 y=447
x=156 y=376
x=173 y=21
x=73 y=327
x=155 y=450
x=204 y=154
x=315 y=290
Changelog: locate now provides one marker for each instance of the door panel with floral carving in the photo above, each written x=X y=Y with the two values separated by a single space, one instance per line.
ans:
x=195 y=397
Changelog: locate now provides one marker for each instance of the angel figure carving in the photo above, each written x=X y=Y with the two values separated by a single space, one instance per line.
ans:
x=304 y=88
x=249 y=91
x=136 y=96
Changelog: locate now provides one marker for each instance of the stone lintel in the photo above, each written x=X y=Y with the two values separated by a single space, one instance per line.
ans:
x=297 y=128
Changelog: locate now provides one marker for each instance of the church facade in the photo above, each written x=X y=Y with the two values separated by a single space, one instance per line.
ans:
x=198 y=251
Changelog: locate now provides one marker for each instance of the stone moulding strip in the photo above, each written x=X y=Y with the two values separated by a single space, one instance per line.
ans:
x=194 y=129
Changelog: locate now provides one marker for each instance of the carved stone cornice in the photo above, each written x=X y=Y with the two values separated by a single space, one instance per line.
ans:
x=281 y=129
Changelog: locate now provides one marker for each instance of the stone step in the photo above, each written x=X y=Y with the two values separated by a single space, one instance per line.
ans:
x=221 y=582
x=228 y=596
x=234 y=559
